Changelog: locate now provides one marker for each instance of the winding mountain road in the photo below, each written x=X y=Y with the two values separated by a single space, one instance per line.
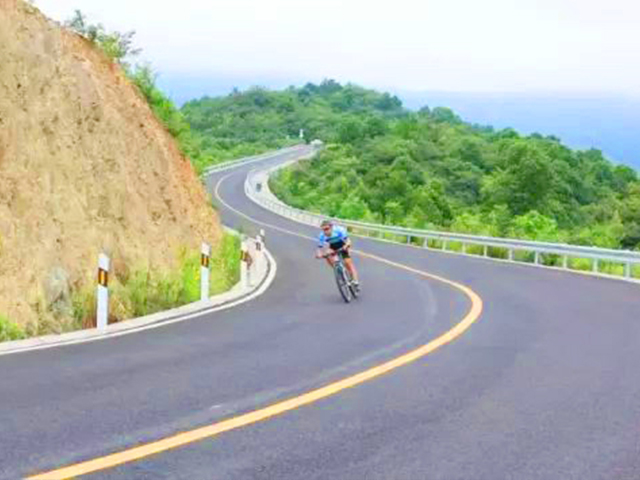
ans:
x=541 y=382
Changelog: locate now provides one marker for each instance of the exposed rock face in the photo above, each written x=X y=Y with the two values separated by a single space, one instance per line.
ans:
x=85 y=167
x=57 y=292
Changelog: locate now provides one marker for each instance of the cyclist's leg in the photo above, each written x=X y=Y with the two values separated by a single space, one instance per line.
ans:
x=348 y=261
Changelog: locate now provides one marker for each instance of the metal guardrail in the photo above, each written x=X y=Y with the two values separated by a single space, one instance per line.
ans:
x=246 y=161
x=541 y=251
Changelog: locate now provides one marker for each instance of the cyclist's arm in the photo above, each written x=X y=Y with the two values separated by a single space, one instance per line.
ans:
x=321 y=246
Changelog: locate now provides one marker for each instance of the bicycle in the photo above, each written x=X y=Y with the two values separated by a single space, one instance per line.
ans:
x=348 y=290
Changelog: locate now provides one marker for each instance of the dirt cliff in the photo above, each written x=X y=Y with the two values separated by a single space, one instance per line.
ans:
x=85 y=167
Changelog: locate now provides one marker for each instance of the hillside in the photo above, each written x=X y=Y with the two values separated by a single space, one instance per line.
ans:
x=85 y=167
x=430 y=169
x=260 y=119
x=606 y=122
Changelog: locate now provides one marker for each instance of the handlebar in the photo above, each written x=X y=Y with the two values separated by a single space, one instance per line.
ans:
x=333 y=253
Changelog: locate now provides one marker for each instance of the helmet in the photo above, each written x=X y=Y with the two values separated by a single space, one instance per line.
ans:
x=326 y=223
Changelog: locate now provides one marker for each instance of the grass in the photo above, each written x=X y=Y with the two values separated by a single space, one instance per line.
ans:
x=143 y=291
x=138 y=292
x=146 y=292
x=225 y=264
x=10 y=331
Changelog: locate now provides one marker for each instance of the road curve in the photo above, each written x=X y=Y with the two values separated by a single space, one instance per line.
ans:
x=543 y=386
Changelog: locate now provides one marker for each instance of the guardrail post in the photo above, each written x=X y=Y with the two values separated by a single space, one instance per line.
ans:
x=444 y=245
x=485 y=251
x=565 y=262
x=408 y=239
x=511 y=254
x=205 y=256
x=627 y=270
x=596 y=265
x=536 y=258
x=464 y=248
x=102 y=314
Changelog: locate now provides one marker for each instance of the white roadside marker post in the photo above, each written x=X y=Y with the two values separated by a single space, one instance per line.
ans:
x=244 y=263
x=259 y=254
x=103 y=292
x=205 y=257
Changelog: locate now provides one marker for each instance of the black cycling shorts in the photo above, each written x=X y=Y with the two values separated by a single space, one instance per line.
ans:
x=337 y=246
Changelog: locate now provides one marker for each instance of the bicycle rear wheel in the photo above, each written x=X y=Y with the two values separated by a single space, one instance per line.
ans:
x=355 y=291
x=352 y=288
x=343 y=283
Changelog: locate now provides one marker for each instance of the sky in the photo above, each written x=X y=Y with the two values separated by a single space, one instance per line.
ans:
x=575 y=47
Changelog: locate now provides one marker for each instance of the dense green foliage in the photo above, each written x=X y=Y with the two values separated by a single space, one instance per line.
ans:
x=328 y=111
x=265 y=120
x=429 y=174
x=429 y=169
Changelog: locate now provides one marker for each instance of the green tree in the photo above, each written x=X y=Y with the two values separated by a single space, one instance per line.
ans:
x=443 y=114
x=535 y=226
x=393 y=212
x=116 y=45
x=351 y=130
x=525 y=182
x=354 y=208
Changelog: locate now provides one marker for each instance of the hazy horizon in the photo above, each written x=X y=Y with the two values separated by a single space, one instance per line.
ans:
x=604 y=122
x=456 y=46
x=488 y=61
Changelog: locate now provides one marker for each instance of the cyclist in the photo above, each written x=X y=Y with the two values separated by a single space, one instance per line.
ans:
x=337 y=239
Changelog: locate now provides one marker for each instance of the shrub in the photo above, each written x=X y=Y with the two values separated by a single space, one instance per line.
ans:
x=10 y=331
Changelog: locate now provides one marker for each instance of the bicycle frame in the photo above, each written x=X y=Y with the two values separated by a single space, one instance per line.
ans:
x=343 y=277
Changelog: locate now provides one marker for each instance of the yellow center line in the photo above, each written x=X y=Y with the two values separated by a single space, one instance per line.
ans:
x=184 y=438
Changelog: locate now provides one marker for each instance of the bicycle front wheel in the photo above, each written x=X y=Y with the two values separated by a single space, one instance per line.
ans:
x=343 y=283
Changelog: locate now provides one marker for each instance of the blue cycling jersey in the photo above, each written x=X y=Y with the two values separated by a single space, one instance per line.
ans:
x=337 y=238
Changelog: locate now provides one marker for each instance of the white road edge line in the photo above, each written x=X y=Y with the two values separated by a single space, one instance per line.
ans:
x=160 y=323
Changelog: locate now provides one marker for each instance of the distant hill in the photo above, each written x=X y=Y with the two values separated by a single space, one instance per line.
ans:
x=270 y=119
x=608 y=123
x=429 y=168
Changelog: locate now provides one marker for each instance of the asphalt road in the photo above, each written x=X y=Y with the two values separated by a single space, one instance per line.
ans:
x=543 y=386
